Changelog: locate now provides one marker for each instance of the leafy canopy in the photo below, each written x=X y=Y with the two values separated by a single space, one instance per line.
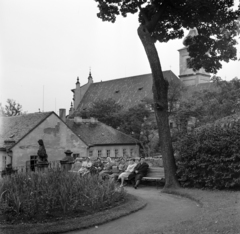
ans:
x=105 y=110
x=216 y=21
x=12 y=108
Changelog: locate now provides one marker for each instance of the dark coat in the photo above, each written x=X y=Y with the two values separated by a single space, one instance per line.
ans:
x=142 y=168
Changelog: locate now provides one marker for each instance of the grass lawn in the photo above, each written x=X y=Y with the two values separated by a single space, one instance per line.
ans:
x=219 y=213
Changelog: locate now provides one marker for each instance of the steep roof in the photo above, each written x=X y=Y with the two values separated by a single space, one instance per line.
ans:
x=14 y=128
x=100 y=134
x=128 y=91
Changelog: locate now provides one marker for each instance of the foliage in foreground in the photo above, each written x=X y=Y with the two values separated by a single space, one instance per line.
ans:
x=29 y=195
x=210 y=158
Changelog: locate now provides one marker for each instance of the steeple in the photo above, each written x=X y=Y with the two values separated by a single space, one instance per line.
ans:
x=77 y=81
x=90 y=79
x=187 y=75
x=71 y=111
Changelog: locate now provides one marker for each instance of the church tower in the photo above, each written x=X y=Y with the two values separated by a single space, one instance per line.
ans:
x=187 y=75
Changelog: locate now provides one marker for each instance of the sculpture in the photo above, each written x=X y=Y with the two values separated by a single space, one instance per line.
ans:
x=42 y=154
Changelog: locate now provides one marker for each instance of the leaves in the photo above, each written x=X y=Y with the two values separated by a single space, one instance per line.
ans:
x=209 y=158
x=216 y=21
x=12 y=108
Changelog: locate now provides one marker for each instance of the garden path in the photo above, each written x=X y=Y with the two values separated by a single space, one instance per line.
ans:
x=161 y=210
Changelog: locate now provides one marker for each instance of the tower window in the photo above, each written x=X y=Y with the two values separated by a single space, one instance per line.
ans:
x=187 y=62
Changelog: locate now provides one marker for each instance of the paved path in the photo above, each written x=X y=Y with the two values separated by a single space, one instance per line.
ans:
x=162 y=209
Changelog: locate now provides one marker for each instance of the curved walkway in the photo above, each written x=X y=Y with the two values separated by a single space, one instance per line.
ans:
x=161 y=210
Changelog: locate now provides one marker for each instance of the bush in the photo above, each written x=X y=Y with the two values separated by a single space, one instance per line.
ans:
x=210 y=158
x=35 y=194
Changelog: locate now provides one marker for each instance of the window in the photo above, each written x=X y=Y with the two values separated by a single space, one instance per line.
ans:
x=171 y=125
x=108 y=153
x=4 y=161
x=131 y=152
x=33 y=162
x=117 y=91
x=187 y=62
x=99 y=153
x=90 y=153
x=140 y=88
x=116 y=152
x=124 y=152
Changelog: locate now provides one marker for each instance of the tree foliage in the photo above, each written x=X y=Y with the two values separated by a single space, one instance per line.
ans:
x=12 y=108
x=220 y=99
x=216 y=21
x=133 y=121
x=164 y=20
x=105 y=110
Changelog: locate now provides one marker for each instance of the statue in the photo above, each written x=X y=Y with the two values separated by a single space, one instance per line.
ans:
x=42 y=154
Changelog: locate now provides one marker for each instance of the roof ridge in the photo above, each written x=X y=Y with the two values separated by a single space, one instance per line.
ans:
x=17 y=116
x=122 y=78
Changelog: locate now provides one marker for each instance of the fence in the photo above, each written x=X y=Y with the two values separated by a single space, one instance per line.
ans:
x=53 y=165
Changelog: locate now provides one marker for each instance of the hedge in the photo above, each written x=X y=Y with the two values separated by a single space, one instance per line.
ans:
x=210 y=158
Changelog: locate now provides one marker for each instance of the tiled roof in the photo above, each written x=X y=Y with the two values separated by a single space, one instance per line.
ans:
x=100 y=134
x=14 y=128
x=129 y=91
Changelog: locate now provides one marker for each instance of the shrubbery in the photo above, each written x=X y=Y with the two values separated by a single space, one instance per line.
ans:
x=35 y=194
x=210 y=158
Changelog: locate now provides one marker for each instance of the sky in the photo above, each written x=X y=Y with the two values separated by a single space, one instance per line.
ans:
x=46 y=44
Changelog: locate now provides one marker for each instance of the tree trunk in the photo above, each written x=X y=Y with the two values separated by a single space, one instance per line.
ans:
x=160 y=96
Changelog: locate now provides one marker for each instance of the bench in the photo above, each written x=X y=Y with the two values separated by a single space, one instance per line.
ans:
x=154 y=174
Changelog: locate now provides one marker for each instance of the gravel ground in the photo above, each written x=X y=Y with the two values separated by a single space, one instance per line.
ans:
x=161 y=210
x=216 y=212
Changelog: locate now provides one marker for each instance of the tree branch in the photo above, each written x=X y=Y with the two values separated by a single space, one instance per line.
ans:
x=155 y=18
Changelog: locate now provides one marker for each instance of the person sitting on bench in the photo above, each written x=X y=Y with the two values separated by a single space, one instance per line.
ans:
x=128 y=171
x=139 y=172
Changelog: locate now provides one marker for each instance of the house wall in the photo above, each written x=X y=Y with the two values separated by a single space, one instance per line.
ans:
x=112 y=149
x=57 y=138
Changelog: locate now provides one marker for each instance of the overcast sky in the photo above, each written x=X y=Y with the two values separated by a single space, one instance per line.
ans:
x=46 y=44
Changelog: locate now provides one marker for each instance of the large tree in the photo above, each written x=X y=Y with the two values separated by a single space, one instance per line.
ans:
x=12 y=108
x=164 y=20
x=105 y=110
x=220 y=99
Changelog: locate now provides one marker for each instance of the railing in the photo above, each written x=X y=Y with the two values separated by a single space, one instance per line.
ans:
x=53 y=165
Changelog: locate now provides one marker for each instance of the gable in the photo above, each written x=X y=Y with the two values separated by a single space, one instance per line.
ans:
x=14 y=128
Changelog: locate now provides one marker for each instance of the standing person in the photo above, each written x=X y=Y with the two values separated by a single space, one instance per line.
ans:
x=139 y=172
x=129 y=170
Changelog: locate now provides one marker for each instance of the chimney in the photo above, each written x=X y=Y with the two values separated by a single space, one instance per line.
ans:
x=78 y=119
x=62 y=114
